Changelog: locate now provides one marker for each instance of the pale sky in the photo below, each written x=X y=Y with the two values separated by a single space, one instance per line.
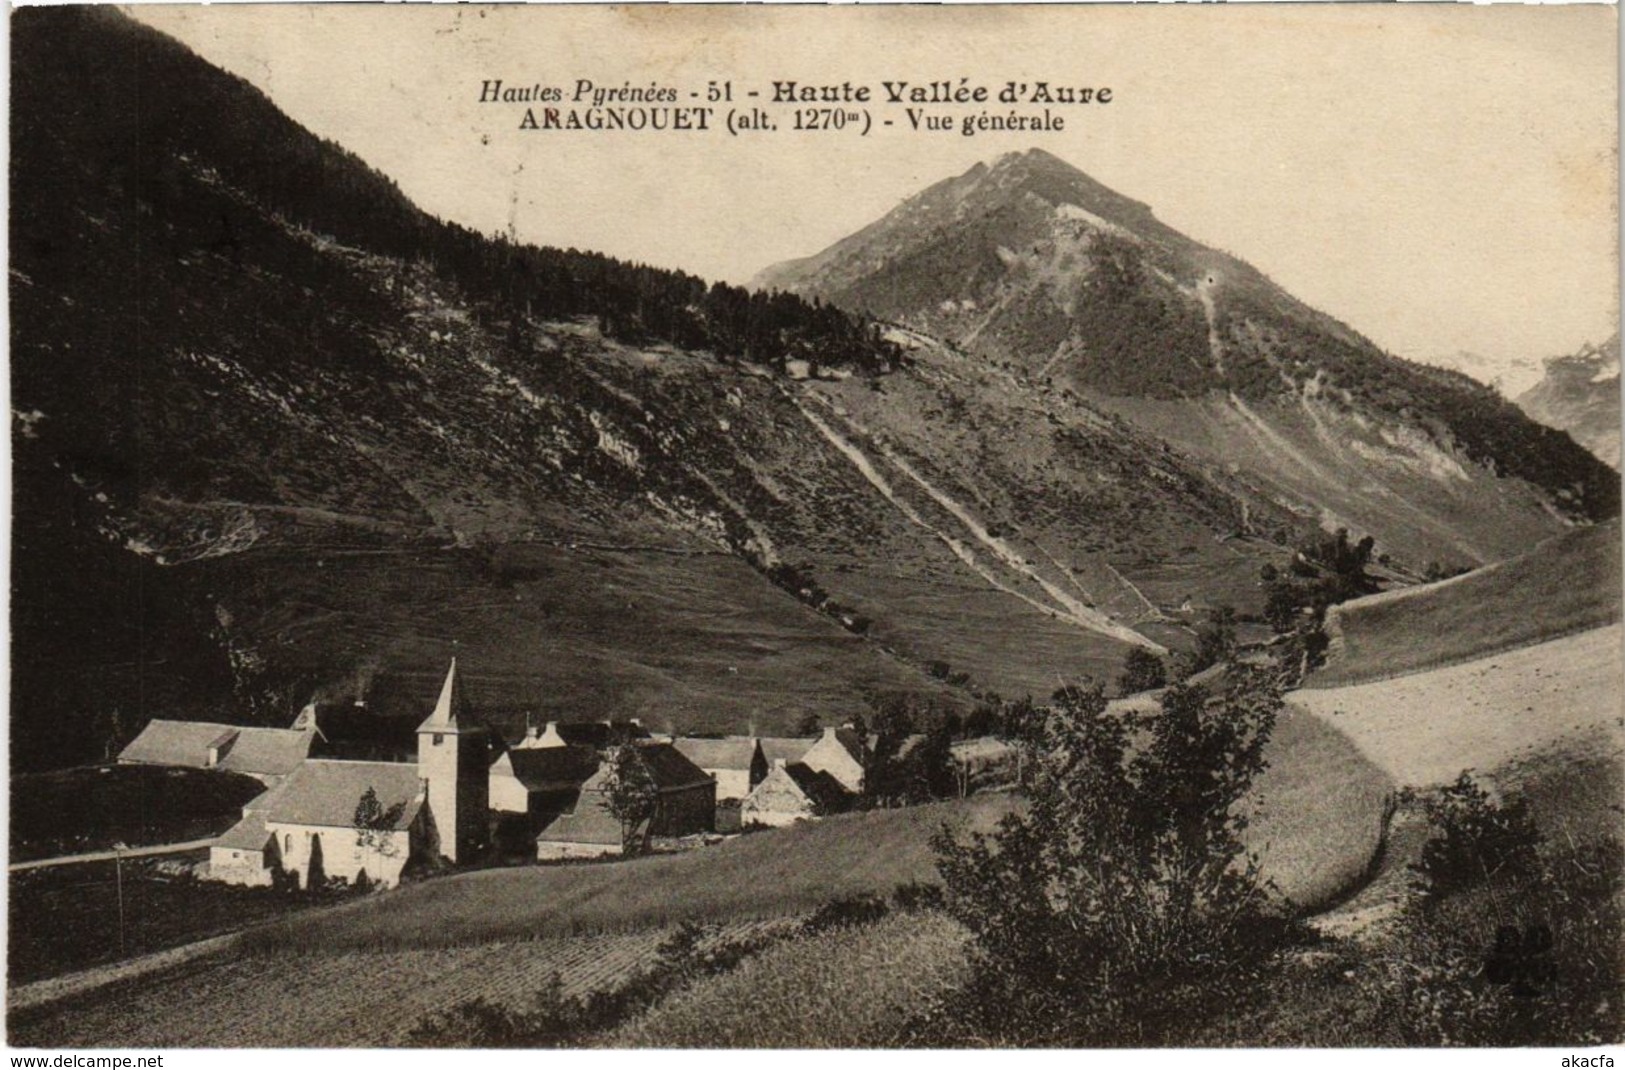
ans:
x=1441 y=178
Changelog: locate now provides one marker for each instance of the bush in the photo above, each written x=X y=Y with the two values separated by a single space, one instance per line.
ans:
x=1476 y=841
x=1142 y=671
x=1125 y=883
x=916 y=896
x=852 y=910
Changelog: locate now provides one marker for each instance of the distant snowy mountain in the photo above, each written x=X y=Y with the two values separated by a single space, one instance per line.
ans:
x=1511 y=377
x=1580 y=394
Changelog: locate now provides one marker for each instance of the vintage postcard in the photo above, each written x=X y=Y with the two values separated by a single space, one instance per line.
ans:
x=814 y=527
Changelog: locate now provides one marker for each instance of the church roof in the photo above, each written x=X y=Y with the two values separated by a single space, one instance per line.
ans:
x=669 y=768
x=731 y=752
x=325 y=793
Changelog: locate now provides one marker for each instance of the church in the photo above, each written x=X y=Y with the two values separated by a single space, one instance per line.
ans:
x=332 y=818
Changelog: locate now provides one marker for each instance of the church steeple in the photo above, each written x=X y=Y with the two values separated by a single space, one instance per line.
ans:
x=447 y=707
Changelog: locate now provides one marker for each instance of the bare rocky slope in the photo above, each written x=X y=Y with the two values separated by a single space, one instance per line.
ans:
x=1039 y=269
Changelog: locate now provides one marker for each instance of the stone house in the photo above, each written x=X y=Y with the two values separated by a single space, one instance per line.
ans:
x=686 y=800
x=536 y=781
x=839 y=752
x=791 y=792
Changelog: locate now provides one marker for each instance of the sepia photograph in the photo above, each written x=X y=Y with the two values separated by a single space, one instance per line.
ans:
x=808 y=527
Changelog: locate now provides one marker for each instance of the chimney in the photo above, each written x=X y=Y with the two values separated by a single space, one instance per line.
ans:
x=549 y=738
x=778 y=763
x=829 y=733
x=532 y=732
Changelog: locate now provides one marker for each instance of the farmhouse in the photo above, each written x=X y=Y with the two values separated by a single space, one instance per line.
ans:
x=266 y=754
x=736 y=763
x=791 y=792
x=685 y=804
x=313 y=825
x=840 y=752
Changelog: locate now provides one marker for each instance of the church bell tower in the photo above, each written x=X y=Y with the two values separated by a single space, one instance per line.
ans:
x=451 y=761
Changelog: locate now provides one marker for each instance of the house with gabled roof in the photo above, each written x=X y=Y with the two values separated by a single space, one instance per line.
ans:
x=266 y=754
x=841 y=753
x=540 y=780
x=791 y=792
x=685 y=804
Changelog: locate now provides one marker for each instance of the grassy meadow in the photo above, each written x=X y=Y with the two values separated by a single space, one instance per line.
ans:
x=1568 y=584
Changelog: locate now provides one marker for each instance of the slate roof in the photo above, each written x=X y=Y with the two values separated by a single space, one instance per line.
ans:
x=359 y=733
x=273 y=751
x=732 y=752
x=173 y=743
x=553 y=768
x=249 y=834
x=669 y=768
x=245 y=749
x=827 y=794
x=325 y=793
x=589 y=822
x=786 y=748
x=905 y=746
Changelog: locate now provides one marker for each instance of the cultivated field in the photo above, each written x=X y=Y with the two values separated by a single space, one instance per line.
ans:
x=330 y=998
x=849 y=988
x=1425 y=728
x=1565 y=585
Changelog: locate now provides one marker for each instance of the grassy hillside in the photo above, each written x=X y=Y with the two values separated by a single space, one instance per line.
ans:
x=765 y=874
x=1425 y=728
x=1567 y=584
x=328 y=440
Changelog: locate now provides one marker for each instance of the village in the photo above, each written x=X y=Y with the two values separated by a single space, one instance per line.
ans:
x=345 y=805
